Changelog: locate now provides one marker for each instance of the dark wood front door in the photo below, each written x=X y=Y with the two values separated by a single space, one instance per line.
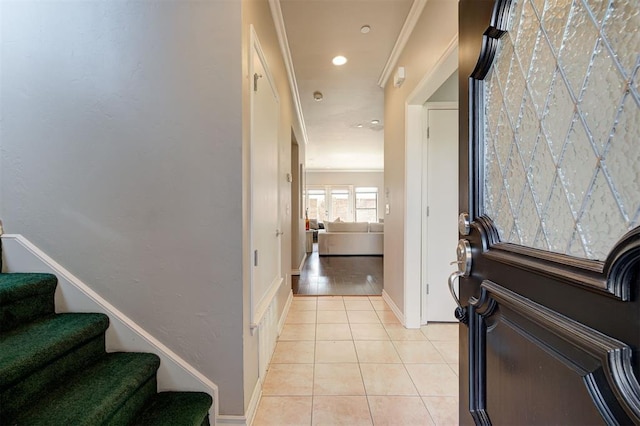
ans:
x=550 y=180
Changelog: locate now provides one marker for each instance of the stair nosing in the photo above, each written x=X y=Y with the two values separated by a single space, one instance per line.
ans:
x=146 y=368
x=46 y=280
x=29 y=361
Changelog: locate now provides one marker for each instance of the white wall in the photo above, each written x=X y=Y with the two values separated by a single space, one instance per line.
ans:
x=121 y=158
x=448 y=92
x=351 y=178
x=434 y=31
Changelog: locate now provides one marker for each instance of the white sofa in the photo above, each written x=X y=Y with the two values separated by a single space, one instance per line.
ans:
x=351 y=239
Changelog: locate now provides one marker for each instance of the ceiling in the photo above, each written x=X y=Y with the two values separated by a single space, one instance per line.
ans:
x=340 y=132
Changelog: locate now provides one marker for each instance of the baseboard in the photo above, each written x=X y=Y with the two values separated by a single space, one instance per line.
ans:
x=394 y=308
x=123 y=334
x=257 y=391
x=300 y=267
x=253 y=403
x=247 y=419
x=285 y=312
x=249 y=416
x=231 y=420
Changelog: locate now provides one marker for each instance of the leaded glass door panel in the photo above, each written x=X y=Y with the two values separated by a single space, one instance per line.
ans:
x=550 y=115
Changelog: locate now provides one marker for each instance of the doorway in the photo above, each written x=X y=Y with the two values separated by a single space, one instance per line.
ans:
x=296 y=207
x=440 y=207
x=427 y=91
x=265 y=231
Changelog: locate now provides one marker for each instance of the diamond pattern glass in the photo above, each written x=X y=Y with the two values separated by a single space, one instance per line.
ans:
x=577 y=166
x=558 y=116
x=621 y=30
x=623 y=156
x=554 y=21
x=577 y=47
x=562 y=121
x=601 y=220
x=603 y=82
x=557 y=220
x=528 y=219
x=528 y=129
x=542 y=66
x=541 y=173
x=527 y=33
x=541 y=241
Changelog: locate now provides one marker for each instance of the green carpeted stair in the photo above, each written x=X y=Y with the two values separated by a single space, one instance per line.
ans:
x=54 y=369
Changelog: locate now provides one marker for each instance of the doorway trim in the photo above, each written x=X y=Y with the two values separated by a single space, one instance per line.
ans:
x=260 y=303
x=426 y=201
x=444 y=67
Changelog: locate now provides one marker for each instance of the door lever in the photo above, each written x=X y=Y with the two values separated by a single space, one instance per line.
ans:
x=452 y=278
x=463 y=253
x=461 y=311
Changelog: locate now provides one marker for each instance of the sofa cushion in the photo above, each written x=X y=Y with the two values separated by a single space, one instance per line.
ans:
x=347 y=227
x=350 y=243
x=376 y=227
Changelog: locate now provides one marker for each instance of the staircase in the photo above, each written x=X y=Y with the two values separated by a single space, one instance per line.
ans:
x=54 y=369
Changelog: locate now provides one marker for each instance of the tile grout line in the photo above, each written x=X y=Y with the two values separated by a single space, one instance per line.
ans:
x=394 y=344
x=313 y=375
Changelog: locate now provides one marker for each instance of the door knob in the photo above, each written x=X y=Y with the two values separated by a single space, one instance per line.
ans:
x=464 y=224
x=279 y=232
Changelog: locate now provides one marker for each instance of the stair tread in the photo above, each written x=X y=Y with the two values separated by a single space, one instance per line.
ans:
x=16 y=286
x=175 y=408
x=33 y=345
x=94 y=395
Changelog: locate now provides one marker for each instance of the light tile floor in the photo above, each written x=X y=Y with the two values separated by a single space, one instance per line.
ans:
x=348 y=361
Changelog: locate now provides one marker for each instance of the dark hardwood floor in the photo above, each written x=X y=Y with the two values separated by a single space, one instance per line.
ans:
x=339 y=276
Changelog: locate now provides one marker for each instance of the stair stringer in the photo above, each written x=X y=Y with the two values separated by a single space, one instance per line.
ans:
x=123 y=334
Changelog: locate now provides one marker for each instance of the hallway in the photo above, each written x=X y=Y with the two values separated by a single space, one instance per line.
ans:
x=347 y=360
x=339 y=275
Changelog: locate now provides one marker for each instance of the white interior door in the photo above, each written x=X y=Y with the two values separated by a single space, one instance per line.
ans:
x=265 y=218
x=440 y=234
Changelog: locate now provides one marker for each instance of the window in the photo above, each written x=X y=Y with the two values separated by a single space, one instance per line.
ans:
x=330 y=202
x=316 y=205
x=340 y=204
x=367 y=204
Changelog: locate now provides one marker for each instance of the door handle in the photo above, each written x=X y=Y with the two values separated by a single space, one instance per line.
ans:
x=463 y=253
x=279 y=232
x=460 y=312
x=452 y=280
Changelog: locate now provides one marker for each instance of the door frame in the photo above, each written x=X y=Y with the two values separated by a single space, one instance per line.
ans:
x=425 y=203
x=413 y=271
x=259 y=304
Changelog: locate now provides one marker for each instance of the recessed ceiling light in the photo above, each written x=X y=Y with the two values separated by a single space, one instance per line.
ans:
x=339 y=60
x=317 y=96
x=365 y=29
x=375 y=121
x=359 y=125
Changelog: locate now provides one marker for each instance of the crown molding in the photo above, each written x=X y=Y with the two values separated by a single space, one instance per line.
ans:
x=446 y=65
x=403 y=37
x=278 y=21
